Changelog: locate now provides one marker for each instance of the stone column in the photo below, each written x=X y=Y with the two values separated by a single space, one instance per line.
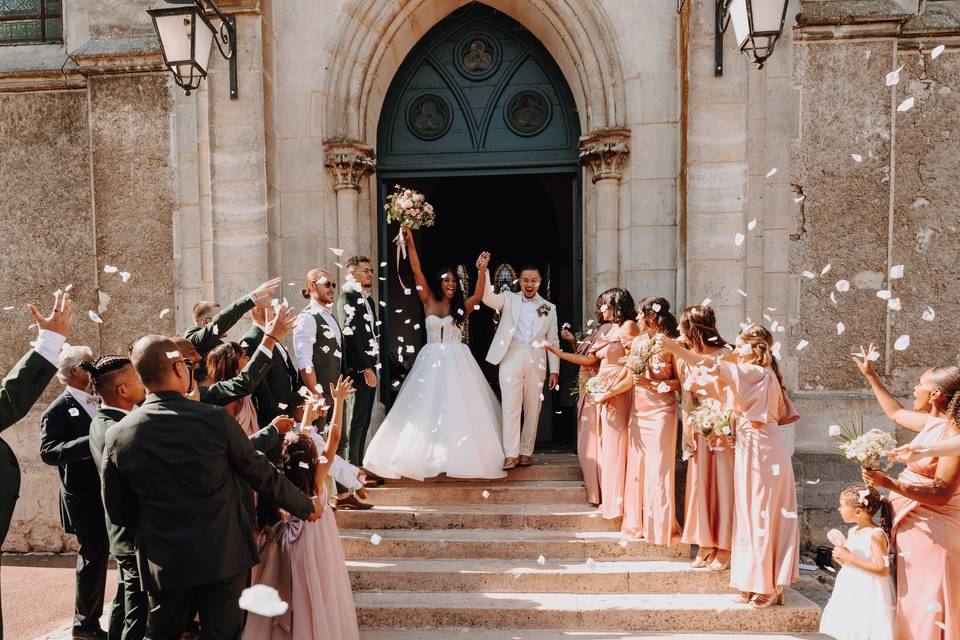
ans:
x=349 y=162
x=604 y=151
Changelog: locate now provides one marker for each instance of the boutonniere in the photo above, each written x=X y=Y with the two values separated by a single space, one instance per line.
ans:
x=544 y=309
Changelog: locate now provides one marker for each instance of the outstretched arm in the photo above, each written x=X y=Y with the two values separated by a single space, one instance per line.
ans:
x=913 y=420
x=423 y=287
x=493 y=300
x=478 y=290
x=909 y=452
x=588 y=360
x=339 y=392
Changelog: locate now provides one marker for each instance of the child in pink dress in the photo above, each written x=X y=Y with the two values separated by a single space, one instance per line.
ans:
x=304 y=561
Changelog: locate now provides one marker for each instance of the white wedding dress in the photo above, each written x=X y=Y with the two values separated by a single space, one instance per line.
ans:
x=446 y=418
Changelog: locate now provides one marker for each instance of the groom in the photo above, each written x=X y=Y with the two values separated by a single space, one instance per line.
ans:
x=526 y=322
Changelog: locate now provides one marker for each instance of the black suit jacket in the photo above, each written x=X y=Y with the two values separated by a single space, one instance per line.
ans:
x=359 y=345
x=282 y=378
x=172 y=471
x=122 y=539
x=65 y=443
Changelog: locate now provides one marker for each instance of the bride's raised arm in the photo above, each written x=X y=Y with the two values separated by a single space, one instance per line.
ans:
x=423 y=287
x=474 y=301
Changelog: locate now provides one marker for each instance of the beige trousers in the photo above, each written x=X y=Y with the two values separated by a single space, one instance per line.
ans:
x=522 y=372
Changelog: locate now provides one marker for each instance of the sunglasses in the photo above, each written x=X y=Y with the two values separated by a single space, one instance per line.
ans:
x=328 y=284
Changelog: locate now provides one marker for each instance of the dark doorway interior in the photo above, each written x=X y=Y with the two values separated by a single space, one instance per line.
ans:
x=520 y=219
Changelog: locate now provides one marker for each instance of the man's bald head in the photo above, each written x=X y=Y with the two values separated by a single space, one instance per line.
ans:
x=153 y=357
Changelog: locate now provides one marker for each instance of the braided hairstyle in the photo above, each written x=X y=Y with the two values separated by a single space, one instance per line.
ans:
x=872 y=502
x=298 y=461
x=761 y=344
x=657 y=309
x=102 y=369
x=698 y=326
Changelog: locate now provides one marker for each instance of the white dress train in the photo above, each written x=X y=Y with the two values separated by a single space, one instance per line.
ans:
x=446 y=418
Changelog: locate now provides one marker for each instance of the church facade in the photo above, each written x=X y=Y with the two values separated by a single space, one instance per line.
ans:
x=593 y=136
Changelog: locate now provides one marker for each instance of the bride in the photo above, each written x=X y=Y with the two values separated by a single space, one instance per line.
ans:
x=446 y=418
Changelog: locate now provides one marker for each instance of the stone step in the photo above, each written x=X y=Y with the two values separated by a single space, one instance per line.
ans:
x=546 y=466
x=505 y=576
x=524 y=544
x=573 y=517
x=451 y=633
x=570 y=612
x=405 y=493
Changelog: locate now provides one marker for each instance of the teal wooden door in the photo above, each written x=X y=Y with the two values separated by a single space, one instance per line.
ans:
x=478 y=92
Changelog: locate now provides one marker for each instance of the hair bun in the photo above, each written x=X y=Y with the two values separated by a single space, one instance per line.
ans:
x=304 y=292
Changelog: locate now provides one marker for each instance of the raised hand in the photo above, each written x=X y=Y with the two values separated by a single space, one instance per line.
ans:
x=283 y=424
x=261 y=295
x=866 y=359
x=61 y=317
x=483 y=261
x=342 y=390
x=281 y=323
x=259 y=315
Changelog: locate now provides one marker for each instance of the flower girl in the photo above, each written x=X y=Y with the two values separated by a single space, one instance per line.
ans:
x=863 y=602
x=304 y=560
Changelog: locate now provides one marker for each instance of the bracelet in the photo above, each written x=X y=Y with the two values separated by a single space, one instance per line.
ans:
x=275 y=338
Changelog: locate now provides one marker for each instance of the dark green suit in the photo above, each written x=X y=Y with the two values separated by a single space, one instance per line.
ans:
x=171 y=470
x=128 y=615
x=361 y=351
x=18 y=392
x=243 y=384
x=206 y=339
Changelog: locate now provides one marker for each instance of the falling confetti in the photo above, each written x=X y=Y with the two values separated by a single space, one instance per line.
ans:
x=934 y=607
x=928 y=315
x=902 y=343
x=623 y=543
x=826 y=269
x=591 y=564
x=834 y=430
x=93 y=316
x=751 y=224
x=842 y=286
x=894 y=76
x=840 y=328
x=124 y=276
x=801 y=345
x=772 y=172
x=263 y=601
x=73 y=412
x=809 y=275
x=541 y=560
x=893 y=304
x=706 y=302
x=856 y=157
x=109 y=268
x=884 y=294
x=896 y=272
x=375 y=539
x=775 y=469
x=906 y=105
x=937 y=50
x=738 y=239
x=789 y=515
x=485 y=494
x=337 y=252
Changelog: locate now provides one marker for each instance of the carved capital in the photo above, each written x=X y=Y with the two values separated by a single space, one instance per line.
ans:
x=604 y=151
x=348 y=162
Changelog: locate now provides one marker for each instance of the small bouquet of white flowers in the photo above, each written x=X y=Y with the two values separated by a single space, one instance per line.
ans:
x=638 y=360
x=868 y=449
x=711 y=419
x=597 y=385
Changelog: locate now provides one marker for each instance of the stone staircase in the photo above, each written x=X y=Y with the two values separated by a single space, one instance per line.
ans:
x=437 y=560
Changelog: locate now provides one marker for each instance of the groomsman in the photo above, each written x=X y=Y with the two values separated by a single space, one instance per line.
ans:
x=281 y=378
x=206 y=333
x=171 y=470
x=526 y=321
x=120 y=390
x=357 y=314
x=20 y=390
x=65 y=443
x=318 y=346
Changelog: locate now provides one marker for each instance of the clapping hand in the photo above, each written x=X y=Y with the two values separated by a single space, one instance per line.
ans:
x=61 y=317
x=866 y=359
x=261 y=295
x=483 y=261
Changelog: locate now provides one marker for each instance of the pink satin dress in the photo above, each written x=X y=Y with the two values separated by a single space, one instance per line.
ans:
x=766 y=530
x=649 y=510
x=613 y=417
x=708 y=500
x=304 y=561
x=927 y=540
x=588 y=436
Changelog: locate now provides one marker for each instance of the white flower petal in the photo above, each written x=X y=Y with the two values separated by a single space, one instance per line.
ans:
x=842 y=286
x=937 y=50
x=893 y=304
x=738 y=239
x=109 y=268
x=751 y=224
x=541 y=560
x=375 y=539
x=840 y=328
x=801 y=345
x=772 y=172
x=775 y=469
x=929 y=314
x=93 y=316
x=833 y=430
x=856 y=157
x=73 y=411
x=262 y=600
x=896 y=271
x=902 y=343
x=884 y=294
x=894 y=76
x=906 y=105
x=809 y=274
x=825 y=270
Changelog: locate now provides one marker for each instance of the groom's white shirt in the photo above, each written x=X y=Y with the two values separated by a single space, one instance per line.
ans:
x=513 y=309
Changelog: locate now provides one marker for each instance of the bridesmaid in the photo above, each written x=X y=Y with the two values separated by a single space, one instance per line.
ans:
x=926 y=503
x=649 y=492
x=766 y=532
x=588 y=437
x=708 y=502
x=613 y=411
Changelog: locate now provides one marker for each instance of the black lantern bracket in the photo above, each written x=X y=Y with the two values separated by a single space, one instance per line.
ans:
x=721 y=20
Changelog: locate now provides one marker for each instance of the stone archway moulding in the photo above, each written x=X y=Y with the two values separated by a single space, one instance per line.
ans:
x=378 y=34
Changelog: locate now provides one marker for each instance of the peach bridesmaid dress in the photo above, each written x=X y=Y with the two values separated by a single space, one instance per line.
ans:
x=927 y=540
x=708 y=500
x=588 y=437
x=766 y=531
x=613 y=417
x=649 y=498
x=304 y=561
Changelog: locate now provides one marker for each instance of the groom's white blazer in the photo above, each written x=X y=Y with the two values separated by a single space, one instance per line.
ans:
x=508 y=304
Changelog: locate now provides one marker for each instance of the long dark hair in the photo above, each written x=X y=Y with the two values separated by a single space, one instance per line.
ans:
x=457 y=303
x=698 y=325
x=298 y=461
x=620 y=303
x=223 y=362
x=871 y=501
x=658 y=309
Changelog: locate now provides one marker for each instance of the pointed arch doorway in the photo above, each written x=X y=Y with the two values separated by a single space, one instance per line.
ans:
x=480 y=119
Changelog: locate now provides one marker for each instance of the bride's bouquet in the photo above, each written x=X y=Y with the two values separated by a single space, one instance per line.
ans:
x=410 y=209
x=868 y=449
x=711 y=419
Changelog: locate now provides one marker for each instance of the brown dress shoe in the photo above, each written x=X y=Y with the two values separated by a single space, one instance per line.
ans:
x=509 y=463
x=525 y=461
x=352 y=503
